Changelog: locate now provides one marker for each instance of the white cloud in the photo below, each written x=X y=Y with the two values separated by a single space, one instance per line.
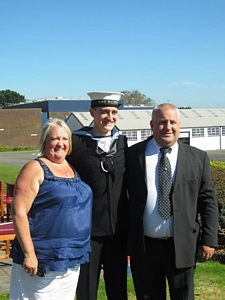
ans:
x=179 y=83
x=190 y=83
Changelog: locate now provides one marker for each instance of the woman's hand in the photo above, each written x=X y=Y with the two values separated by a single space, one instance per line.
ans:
x=30 y=265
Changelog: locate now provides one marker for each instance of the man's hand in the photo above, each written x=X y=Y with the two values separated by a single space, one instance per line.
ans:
x=205 y=252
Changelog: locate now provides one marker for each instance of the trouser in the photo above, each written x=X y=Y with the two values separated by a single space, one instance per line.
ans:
x=108 y=252
x=158 y=264
x=54 y=285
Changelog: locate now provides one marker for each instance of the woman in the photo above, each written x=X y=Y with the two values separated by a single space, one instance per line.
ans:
x=51 y=212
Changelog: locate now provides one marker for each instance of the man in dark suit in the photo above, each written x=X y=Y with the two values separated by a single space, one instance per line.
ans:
x=166 y=247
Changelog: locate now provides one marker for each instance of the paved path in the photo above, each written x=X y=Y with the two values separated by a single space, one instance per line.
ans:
x=17 y=159
x=5 y=272
x=20 y=158
x=216 y=154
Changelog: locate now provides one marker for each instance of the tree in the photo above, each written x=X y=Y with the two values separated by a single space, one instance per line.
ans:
x=134 y=97
x=8 y=97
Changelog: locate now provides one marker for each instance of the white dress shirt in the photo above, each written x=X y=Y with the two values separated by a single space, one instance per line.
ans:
x=154 y=225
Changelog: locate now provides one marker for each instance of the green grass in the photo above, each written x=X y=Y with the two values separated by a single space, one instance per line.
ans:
x=8 y=173
x=209 y=276
x=9 y=149
x=209 y=283
x=4 y=296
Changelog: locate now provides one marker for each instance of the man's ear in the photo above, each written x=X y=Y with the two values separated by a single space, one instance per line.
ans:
x=91 y=112
x=151 y=124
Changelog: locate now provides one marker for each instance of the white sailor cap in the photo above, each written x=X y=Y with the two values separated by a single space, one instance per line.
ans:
x=105 y=98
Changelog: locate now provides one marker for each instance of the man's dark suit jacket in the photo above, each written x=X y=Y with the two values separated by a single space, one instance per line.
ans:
x=193 y=193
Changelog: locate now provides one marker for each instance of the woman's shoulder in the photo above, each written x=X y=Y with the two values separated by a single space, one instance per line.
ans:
x=32 y=168
x=32 y=165
x=31 y=171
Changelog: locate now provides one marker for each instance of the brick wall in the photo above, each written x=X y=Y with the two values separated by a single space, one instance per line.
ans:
x=20 y=127
x=60 y=114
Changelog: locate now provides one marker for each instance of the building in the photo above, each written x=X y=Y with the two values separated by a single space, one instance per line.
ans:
x=201 y=128
x=57 y=107
x=20 y=127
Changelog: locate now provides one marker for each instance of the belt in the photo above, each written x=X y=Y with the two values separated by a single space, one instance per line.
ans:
x=158 y=239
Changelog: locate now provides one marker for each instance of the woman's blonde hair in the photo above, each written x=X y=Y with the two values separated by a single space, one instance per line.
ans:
x=45 y=131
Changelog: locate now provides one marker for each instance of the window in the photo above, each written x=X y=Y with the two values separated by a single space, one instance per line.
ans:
x=223 y=131
x=131 y=135
x=145 y=134
x=213 y=131
x=198 y=132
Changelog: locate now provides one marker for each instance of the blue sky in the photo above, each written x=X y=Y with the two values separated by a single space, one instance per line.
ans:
x=169 y=50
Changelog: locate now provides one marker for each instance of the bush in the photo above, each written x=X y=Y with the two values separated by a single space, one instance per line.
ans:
x=218 y=177
x=8 y=149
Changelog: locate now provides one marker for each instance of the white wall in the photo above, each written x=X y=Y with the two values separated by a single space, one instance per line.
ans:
x=203 y=143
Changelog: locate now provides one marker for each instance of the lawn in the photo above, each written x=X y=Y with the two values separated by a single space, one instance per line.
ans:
x=209 y=283
x=209 y=276
x=8 y=173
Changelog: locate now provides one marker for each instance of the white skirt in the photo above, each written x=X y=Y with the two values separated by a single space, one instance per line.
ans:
x=54 y=285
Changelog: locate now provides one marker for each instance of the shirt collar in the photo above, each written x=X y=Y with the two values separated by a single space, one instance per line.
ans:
x=156 y=147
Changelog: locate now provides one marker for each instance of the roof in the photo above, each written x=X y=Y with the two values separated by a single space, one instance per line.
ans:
x=202 y=117
x=83 y=117
x=140 y=119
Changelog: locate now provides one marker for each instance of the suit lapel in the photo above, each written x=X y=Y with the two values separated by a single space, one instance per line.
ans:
x=142 y=158
x=181 y=165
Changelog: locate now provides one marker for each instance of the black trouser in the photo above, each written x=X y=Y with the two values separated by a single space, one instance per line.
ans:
x=150 y=273
x=109 y=252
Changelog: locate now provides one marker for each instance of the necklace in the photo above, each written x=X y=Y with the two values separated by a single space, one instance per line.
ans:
x=60 y=166
x=65 y=170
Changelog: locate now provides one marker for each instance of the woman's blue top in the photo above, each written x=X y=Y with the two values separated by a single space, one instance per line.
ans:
x=60 y=223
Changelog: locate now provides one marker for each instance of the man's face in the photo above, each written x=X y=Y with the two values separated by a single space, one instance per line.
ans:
x=104 y=119
x=166 y=126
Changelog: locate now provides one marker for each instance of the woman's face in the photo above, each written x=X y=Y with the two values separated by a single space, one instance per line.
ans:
x=56 y=143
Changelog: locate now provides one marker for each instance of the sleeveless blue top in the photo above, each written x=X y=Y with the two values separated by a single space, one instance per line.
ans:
x=60 y=223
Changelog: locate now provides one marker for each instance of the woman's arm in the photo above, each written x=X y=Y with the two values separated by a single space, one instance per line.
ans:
x=26 y=189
